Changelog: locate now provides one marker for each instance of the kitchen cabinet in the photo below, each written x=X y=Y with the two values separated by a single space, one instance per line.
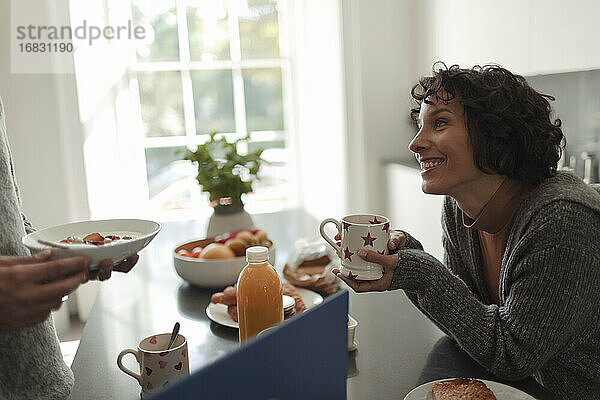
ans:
x=564 y=36
x=413 y=211
x=478 y=32
x=527 y=37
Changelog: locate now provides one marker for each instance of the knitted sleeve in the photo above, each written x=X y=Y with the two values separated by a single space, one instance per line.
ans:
x=411 y=242
x=553 y=291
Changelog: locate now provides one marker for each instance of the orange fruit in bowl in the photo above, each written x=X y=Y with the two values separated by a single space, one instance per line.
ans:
x=216 y=251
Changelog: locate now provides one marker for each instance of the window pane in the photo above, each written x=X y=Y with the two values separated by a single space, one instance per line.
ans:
x=271 y=191
x=264 y=104
x=259 y=29
x=271 y=146
x=213 y=101
x=208 y=31
x=161 y=41
x=168 y=178
x=162 y=103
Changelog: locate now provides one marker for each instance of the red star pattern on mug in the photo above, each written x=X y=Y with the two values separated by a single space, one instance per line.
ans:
x=375 y=221
x=368 y=239
x=345 y=225
x=348 y=254
x=386 y=227
x=352 y=276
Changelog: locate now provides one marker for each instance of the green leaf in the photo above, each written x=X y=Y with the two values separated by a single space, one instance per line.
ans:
x=220 y=166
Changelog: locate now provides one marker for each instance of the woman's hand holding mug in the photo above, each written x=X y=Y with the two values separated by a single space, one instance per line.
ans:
x=388 y=262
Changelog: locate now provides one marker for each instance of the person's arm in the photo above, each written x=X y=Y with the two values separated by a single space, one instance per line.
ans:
x=548 y=303
x=452 y=259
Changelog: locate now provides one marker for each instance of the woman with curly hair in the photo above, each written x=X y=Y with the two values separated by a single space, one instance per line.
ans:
x=519 y=288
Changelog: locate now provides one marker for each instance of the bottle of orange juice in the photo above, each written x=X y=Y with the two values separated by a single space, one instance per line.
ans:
x=259 y=294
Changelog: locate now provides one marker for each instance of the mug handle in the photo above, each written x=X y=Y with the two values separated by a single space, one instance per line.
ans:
x=124 y=368
x=327 y=238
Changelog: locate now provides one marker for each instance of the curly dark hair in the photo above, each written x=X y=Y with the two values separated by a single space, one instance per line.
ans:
x=508 y=122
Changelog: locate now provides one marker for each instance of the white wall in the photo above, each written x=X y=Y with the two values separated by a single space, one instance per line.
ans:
x=319 y=113
x=42 y=123
x=381 y=68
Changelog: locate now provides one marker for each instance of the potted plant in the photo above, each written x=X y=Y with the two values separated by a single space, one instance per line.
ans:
x=224 y=173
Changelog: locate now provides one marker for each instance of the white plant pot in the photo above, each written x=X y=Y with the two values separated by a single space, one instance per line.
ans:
x=221 y=223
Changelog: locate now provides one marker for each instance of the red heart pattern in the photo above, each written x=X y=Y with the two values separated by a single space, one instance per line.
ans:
x=178 y=366
x=149 y=386
x=162 y=364
x=148 y=371
x=153 y=340
x=164 y=353
x=183 y=353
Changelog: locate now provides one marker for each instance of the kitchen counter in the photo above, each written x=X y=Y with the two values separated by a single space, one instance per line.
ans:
x=398 y=347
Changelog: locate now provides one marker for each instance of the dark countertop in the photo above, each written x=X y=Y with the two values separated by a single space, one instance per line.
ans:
x=398 y=348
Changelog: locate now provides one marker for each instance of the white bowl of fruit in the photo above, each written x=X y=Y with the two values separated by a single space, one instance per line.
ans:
x=217 y=262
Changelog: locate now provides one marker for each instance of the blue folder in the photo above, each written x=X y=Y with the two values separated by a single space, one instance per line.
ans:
x=305 y=357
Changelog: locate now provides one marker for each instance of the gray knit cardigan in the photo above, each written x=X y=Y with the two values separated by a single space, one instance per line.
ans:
x=547 y=325
x=31 y=364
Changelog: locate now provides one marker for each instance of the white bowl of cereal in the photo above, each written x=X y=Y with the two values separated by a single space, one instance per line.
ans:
x=114 y=239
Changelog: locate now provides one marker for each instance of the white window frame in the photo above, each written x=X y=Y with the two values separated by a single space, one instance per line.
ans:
x=236 y=65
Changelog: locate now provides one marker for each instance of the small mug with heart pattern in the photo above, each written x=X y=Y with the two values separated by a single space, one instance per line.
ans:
x=158 y=366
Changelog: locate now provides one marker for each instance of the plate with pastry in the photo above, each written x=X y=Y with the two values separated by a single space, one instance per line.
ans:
x=309 y=265
x=222 y=308
x=466 y=389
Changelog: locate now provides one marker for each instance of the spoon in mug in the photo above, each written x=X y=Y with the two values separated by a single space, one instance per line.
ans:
x=173 y=334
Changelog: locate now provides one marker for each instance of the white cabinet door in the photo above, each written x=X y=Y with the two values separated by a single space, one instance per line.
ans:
x=477 y=32
x=565 y=37
x=412 y=210
x=527 y=37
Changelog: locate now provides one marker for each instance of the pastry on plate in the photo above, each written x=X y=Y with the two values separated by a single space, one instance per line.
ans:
x=229 y=298
x=309 y=266
x=461 y=389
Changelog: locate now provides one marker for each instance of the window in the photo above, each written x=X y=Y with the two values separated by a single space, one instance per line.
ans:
x=204 y=66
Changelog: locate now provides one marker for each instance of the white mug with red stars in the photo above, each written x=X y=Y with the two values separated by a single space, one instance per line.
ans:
x=362 y=231
x=158 y=366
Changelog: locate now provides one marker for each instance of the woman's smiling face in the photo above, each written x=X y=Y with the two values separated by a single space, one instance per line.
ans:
x=442 y=148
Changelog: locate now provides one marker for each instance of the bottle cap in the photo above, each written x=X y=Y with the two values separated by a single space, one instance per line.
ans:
x=257 y=254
